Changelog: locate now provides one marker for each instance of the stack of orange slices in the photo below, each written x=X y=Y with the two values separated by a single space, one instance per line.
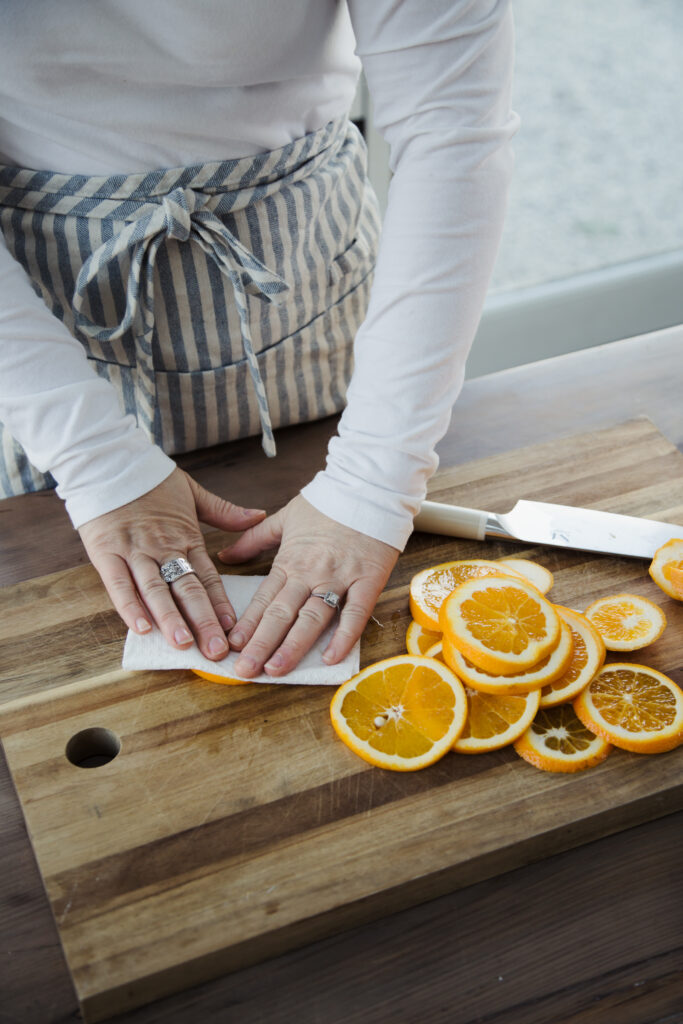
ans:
x=520 y=670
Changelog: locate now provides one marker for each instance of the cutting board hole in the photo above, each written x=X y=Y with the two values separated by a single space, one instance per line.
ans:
x=91 y=748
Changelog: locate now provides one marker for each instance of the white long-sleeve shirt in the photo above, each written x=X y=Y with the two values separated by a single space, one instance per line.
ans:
x=124 y=87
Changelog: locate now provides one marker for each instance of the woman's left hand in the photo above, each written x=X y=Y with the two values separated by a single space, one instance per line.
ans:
x=316 y=555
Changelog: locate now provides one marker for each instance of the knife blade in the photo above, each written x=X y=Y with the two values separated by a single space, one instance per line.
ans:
x=562 y=526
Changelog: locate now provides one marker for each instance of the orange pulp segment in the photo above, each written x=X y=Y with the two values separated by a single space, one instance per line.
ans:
x=501 y=625
x=588 y=655
x=557 y=741
x=402 y=713
x=676 y=576
x=634 y=707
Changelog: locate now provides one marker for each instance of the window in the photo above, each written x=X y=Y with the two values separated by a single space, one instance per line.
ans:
x=592 y=249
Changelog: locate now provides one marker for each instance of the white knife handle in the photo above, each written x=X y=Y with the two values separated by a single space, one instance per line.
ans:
x=451 y=520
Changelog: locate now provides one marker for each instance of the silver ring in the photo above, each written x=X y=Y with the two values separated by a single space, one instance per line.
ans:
x=174 y=569
x=331 y=599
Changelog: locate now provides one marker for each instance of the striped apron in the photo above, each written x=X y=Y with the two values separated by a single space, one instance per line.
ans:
x=220 y=300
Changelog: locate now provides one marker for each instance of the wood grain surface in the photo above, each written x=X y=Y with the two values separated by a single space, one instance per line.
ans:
x=233 y=825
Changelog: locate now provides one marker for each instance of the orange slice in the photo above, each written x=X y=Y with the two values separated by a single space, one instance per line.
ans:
x=633 y=707
x=430 y=587
x=402 y=713
x=419 y=639
x=588 y=655
x=553 y=665
x=534 y=572
x=626 y=622
x=502 y=625
x=494 y=721
x=666 y=568
x=556 y=741
x=220 y=679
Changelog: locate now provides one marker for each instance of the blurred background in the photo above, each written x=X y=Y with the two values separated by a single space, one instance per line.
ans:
x=592 y=249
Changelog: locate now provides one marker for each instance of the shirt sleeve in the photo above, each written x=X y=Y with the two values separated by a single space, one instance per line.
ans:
x=439 y=74
x=67 y=419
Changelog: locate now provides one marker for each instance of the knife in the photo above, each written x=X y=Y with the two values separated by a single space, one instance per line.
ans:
x=562 y=526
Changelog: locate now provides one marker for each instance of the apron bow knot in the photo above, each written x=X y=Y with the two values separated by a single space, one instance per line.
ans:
x=178 y=207
x=181 y=215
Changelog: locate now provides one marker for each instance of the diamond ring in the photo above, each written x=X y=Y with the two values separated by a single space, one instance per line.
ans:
x=331 y=599
x=174 y=569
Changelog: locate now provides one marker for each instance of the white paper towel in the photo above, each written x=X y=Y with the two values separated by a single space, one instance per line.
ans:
x=151 y=651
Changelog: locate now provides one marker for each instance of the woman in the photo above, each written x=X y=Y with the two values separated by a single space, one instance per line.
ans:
x=202 y=247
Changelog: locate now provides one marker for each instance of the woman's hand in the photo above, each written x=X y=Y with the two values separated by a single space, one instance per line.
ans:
x=128 y=545
x=315 y=555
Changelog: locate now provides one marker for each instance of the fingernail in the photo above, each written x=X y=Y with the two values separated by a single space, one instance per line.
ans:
x=275 y=662
x=245 y=666
x=142 y=625
x=217 y=645
x=254 y=512
x=227 y=622
x=236 y=639
x=329 y=657
x=182 y=636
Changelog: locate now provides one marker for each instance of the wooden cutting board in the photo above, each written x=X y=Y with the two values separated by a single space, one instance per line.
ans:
x=234 y=825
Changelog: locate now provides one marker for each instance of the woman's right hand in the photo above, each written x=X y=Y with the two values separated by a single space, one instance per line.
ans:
x=128 y=545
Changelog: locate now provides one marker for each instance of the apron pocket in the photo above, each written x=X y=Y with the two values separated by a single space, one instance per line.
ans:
x=305 y=377
x=357 y=259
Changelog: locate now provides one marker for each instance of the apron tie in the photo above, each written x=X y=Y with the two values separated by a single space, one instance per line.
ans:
x=181 y=215
x=177 y=215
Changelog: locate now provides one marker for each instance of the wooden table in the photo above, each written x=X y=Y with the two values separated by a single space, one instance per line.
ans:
x=590 y=936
